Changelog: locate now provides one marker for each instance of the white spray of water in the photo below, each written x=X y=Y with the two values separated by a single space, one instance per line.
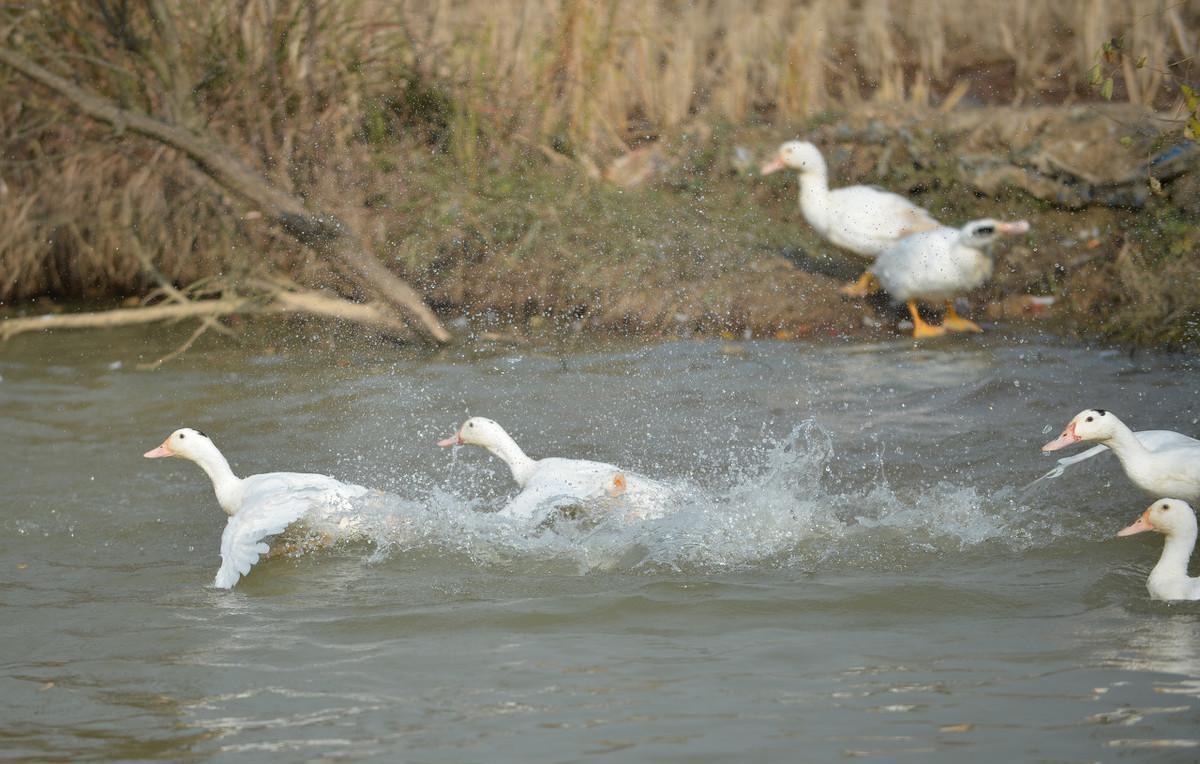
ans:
x=779 y=506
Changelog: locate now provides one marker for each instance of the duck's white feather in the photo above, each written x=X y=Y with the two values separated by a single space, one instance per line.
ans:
x=1172 y=469
x=555 y=482
x=932 y=265
x=862 y=219
x=270 y=503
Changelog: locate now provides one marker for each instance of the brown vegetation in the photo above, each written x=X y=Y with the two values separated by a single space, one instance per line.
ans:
x=596 y=75
x=398 y=118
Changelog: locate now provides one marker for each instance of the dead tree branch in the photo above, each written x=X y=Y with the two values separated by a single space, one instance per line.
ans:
x=325 y=233
x=276 y=302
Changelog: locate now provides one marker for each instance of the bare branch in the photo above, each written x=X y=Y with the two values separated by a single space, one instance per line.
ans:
x=280 y=302
x=201 y=329
x=325 y=233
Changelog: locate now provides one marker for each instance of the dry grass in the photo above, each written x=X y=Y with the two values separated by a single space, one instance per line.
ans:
x=601 y=73
x=329 y=97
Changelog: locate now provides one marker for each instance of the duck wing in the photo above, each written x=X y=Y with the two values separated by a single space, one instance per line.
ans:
x=272 y=502
x=867 y=220
x=1163 y=440
x=561 y=482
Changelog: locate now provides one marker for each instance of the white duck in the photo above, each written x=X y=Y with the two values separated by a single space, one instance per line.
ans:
x=862 y=219
x=1160 y=462
x=1174 y=519
x=259 y=505
x=553 y=482
x=940 y=265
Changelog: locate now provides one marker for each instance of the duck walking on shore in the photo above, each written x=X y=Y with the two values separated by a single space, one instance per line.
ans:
x=863 y=220
x=940 y=265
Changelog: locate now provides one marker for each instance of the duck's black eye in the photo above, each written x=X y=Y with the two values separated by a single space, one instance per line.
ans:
x=470 y=424
x=985 y=230
x=1090 y=418
x=1166 y=506
x=182 y=436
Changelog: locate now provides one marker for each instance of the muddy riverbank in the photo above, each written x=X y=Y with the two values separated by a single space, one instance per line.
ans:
x=682 y=237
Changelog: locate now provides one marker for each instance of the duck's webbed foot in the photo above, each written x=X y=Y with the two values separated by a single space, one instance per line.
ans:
x=920 y=327
x=866 y=284
x=957 y=323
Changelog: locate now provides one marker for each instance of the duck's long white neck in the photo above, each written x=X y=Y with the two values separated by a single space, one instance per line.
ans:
x=1124 y=443
x=1173 y=564
x=225 y=483
x=504 y=447
x=814 y=196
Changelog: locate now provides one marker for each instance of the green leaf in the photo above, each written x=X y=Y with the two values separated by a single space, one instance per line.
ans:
x=1095 y=74
x=1112 y=50
x=1141 y=62
x=1189 y=95
x=1106 y=90
x=1126 y=141
x=1192 y=131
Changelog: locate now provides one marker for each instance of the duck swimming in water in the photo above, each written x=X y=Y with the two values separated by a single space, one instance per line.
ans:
x=552 y=482
x=263 y=505
x=1160 y=462
x=1174 y=519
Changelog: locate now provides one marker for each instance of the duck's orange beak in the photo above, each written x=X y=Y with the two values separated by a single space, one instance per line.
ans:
x=1014 y=228
x=453 y=440
x=160 y=452
x=772 y=166
x=1062 y=441
x=1141 y=524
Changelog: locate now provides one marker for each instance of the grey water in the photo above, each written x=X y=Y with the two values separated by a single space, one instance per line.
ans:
x=854 y=569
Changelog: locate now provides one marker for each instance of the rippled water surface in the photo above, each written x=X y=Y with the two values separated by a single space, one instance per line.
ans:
x=852 y=567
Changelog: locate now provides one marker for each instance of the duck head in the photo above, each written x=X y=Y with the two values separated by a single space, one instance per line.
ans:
x=1090 y=424
x=185 y=442
x=1166 y=516
x=477 y=431
x=980 y=233
x=801 y=156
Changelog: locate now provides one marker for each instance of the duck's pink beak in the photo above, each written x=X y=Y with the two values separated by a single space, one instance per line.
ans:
x=1141 y=524
x=453 y=440
x=159 y=452
x=1062 y=441
x=772 y=166
x=1014 y=228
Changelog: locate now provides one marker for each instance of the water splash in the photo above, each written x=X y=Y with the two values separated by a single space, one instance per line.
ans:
x=780 y=505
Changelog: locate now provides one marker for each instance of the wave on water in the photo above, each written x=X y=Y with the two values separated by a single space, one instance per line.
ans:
x=781 y=506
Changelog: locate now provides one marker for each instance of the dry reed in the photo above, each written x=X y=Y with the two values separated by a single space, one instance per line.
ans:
x=323 y=95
